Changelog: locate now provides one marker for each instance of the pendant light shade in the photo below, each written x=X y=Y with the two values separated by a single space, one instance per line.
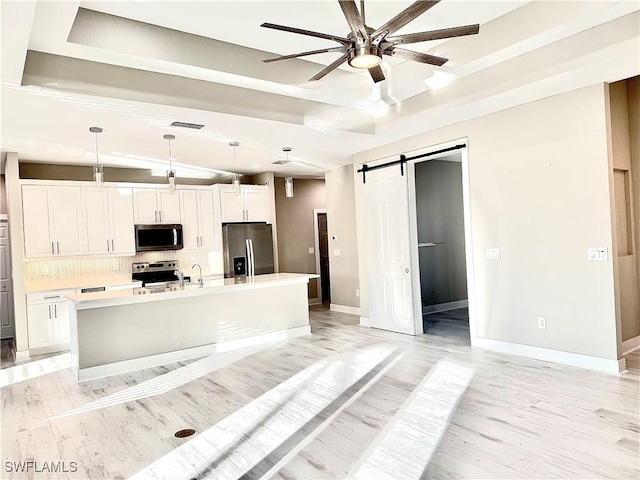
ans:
x=171 y=173
x=288 y=181
x=288 y=187
x=236 y=176
x=98 y=172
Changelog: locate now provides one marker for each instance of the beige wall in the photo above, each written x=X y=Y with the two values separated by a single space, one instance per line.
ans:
x=341 y=218
x=539 y=190
x=623 y=194
x=296 y=226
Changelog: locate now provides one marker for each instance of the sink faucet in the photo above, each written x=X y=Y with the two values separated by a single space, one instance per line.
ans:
x=200 y=282
x=180 y=276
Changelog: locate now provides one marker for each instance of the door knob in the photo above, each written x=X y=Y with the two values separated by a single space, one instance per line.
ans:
x=406 y=270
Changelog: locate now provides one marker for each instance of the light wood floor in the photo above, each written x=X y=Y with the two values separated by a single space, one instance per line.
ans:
x=519 y=418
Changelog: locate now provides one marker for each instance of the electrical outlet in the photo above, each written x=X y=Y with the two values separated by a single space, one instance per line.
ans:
x=542 y=323
x=357 y=292
x=598 y=254
x=336 y=252
x=311 y=251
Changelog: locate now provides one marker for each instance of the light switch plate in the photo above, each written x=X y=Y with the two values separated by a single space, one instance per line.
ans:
x=598 y=254
x=336 y=252
x=493 y=254
x=311 y=251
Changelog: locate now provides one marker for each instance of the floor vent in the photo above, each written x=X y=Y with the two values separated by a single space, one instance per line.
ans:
x=187 y=432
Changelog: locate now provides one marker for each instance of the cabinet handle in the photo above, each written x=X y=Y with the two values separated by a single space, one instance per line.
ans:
x=58 y=244
x=53 y=251
x=160 y=215
x=55 y=310
x=108 y=245
x=49 y=311
x=155 y=216
x=112 y=247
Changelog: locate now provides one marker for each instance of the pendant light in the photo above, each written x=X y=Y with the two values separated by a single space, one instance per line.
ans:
x=171 y=173
x=236 y=176
x=288 y=181
x=98 y=172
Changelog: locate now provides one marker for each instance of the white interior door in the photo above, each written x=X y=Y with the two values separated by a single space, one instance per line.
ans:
x=6 y=295
x=390 y=279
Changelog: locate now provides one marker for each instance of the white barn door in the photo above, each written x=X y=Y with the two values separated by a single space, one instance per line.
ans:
x=391 y=305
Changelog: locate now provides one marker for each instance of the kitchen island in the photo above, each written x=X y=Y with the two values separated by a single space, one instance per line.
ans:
x=118 y=331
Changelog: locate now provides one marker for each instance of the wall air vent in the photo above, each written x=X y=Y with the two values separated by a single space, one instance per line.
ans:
x=282 y=162
x=187 y=125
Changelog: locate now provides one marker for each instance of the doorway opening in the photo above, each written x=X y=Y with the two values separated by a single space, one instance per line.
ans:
x=440 y=219
x=322 y=256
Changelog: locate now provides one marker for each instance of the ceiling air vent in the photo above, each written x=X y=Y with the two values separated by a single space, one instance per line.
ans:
x=187 y=125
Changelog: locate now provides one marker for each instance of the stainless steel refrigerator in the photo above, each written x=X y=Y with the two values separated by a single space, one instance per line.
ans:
x=248 y=249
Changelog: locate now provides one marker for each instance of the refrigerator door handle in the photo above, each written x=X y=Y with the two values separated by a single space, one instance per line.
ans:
x=248 y=267
x=253 y=258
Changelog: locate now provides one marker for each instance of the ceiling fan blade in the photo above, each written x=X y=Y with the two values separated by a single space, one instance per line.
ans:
x=434 y=35
x=408 y=14
x=416 y=56
x=304 y=54
x=335 y=38
x=376 y=74
x=353 y=17
x=330 y=68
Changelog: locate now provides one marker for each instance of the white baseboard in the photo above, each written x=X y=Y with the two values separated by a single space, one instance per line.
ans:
x=365 y=322
x=555 y=356
x=631 y=345
x=344 y=309
x=444 y=307
x=117 y=368
x=22 y=356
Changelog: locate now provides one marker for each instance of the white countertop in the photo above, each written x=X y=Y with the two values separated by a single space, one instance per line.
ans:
x=110 y=298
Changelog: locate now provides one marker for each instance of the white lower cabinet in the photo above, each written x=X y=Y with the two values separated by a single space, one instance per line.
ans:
x=48 y=320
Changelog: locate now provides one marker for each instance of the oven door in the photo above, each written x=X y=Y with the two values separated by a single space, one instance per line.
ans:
x=158 y=237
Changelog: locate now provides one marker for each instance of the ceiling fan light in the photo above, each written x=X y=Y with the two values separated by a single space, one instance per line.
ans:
x=365 y=57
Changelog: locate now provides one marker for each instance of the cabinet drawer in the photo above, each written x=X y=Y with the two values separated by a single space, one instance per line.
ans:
x=49 y=296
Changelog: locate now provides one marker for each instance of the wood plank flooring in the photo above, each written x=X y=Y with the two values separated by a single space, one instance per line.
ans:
x=518 y=418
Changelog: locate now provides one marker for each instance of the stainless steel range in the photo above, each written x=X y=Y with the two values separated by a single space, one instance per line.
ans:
x=159 y=276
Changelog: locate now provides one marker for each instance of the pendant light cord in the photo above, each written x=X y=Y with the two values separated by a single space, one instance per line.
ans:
x=97 y=157
x=170 y=157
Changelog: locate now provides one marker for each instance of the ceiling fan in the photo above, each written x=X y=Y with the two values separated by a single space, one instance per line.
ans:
x=363 y=47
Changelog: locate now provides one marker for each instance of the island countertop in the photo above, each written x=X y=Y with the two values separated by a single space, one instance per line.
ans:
x=110 y=298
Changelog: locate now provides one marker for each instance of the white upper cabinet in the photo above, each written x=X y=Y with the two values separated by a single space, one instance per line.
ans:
x=96 y=221
x=39 y=240
x=250 y=205
x=156 y=206
x=190 y=228
x=52 y=218
x=206 y=219
x=198 y=223
x=108 y=221
x=121 y=224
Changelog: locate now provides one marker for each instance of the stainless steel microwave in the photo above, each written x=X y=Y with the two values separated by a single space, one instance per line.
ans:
x=158 y=237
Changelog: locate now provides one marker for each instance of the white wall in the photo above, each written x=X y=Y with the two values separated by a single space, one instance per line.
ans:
x=539 y=190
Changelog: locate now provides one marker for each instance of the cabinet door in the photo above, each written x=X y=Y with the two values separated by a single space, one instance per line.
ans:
x=255 y=201
x=96 y=225
x=67 y=220
x=144 y=205
x=189 y=210
x=206 y=219
x=231 y=205
x=61 y=329
x=40 y=320
x=38 y=233
x=121 y=224
x=169 y=206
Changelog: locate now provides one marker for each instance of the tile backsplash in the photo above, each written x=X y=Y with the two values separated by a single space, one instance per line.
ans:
x=95 y=266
